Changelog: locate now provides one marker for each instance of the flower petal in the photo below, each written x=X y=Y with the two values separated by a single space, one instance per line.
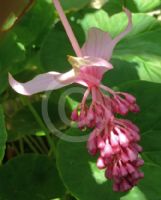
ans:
x=97 y=44
x=127 y=30
x=43 y=82
x=89 y=70
x=100 y=44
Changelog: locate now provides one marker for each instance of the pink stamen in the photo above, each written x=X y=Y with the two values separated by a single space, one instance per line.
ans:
x=68 y=28
x=107 y=89
x=85 y=97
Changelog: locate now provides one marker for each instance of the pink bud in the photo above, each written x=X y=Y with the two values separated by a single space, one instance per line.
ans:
x=100 y=163
x=116 y=187
x=74 y=115
x=137 y=147
x=123 y=139
x=115 y=171
x=125 y=185
x=135 y=175
x=91 y=144
x=108 y=173
x=131 y=154
x=130 y=168
x=114 y=139
x=139 y=162
x=122 y=106
x=141 y=175
x=100 y=142
x=124 y=157
x=130 y=98
x=90 y=115
x=123 y=170
x=134 y=108
x=107 y=151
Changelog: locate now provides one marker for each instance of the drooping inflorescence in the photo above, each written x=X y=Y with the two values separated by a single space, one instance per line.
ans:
x=114 y=139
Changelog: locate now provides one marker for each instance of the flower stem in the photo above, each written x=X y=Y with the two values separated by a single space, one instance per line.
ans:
x=32 y=147
x=25 y=101
x=107 y=89
x=68 y=28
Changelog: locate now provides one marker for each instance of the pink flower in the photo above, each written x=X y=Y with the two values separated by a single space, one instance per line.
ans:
x=88 y=67
x=114 y=139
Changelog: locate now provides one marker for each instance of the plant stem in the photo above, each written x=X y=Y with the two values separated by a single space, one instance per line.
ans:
x=40 y=139
x=68 y=28
x=37 y=145
x=30 y=145
x=21 y=144
x=25 y=101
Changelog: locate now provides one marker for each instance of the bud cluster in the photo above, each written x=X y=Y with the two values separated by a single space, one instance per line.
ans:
x=114 y=139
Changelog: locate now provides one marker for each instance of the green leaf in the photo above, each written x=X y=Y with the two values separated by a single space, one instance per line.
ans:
x=113 y=6
x=127 y=70
x=74 y=5
x=140 y=48
x=11 y=53
x=30 y=176
x=3 y=134
x=143 y=6
x=100 y=19
x=28 y=30
x=56 y=47
x=150 y=185
x=148 y=97
x=151 y=142
x=29 y=125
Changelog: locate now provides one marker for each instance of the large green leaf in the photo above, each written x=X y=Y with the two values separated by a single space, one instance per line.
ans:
x=56 y=47
x=11 y=53
x=141 y=48
x=30 y=177
x=142 y=6
x=100 y=19
x=85 y=181
x=148 y=98
x=150 y=185
x=3 y=134
x=34 y=24
x=113 y=6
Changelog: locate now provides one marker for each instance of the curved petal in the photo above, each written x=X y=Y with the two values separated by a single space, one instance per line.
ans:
x=127 y=30
x=43 y=82
x=97 y=44
x=100 y=44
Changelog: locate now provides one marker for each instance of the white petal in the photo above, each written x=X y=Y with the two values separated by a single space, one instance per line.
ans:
x=97 y=44
x=43 y=82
